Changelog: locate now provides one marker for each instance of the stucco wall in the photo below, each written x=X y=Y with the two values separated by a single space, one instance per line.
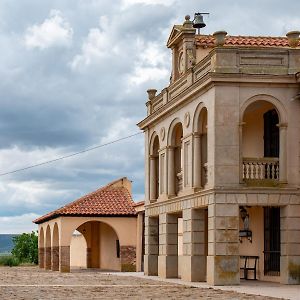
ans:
x=78 y=251
x=108 y=250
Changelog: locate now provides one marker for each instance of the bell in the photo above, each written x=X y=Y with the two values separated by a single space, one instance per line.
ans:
x=198 y=21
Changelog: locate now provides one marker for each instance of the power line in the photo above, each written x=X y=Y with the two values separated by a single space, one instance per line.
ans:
x=70 y=155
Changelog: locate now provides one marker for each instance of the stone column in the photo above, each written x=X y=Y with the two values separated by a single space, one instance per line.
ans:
x=197 y=161
x=171 y=172
x=151 y=246
x=47 y=265
x=223 y=244
x=283 y=153
x=152 y=178
x=55 y=258
x=64 y=258
x=88 y=257
x=168 y=246
x=290 y=242
x=194 y=247
x=128 y=258
x=41 y=257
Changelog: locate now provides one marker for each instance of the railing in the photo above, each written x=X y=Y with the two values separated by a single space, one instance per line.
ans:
x=261 y=169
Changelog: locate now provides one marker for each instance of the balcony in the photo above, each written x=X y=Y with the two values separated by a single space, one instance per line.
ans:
x=261 y=171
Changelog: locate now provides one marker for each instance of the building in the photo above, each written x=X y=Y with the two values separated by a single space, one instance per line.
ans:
x=222 y=157
x=100 y=230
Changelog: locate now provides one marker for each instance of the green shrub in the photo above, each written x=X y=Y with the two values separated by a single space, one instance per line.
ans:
x=26 y=248
x=9 y=260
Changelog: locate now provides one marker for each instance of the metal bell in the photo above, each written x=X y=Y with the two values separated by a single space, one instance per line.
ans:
x=198 y=21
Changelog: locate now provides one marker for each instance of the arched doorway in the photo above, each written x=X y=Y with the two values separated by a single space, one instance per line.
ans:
x=55 y=249
x=48 y=249
x=102 y=246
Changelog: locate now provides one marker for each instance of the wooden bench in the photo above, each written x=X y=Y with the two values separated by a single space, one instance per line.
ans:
x=249 y=264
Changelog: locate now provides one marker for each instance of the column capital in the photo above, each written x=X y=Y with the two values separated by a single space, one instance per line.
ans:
x=282 y=125
x=152 y=156
x=169 y=147
x=241 y=124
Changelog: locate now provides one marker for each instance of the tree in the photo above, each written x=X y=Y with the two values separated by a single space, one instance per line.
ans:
x=26 y=247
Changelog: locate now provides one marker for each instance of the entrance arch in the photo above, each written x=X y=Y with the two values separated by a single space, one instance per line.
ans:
x=102 y=246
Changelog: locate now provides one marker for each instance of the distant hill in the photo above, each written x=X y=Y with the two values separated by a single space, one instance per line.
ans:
x=6 y=243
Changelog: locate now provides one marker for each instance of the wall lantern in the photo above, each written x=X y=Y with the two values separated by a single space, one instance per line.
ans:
x=245 y=232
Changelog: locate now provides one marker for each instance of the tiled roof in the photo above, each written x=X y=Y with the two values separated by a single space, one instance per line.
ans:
x=246 y=41
x=109 y=200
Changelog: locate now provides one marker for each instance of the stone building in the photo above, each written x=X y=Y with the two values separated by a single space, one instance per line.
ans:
x=100 y=230
x=222 y=157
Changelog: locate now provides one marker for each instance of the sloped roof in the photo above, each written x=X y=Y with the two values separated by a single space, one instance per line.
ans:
x=206 y=41
x=110 y=200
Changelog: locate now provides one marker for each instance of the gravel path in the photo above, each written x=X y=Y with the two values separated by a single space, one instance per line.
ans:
x=33 y=283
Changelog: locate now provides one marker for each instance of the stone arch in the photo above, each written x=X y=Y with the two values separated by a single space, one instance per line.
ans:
x=41 y=247
x=55 y=248
x=154 y=168
x=197 y=116
x=171 y=128
x=175 y=174
x=263 y=124
x=154 y=139
x=200 y=146
x=282 y=114
x=48 y=248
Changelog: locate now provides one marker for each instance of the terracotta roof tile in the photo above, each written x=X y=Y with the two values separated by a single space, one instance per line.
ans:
x=106 y=201
x=246 y=41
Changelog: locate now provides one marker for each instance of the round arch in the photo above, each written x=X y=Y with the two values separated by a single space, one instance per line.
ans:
x=197 y=115
x=268 y=98
x=154 y=138
x=97 y=246
x=171 y=128
x=79 y=224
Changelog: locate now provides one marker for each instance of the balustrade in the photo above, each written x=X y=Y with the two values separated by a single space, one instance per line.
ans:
x=261 y=169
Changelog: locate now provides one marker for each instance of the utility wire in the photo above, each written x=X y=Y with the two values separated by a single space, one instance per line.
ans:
x=70 y=155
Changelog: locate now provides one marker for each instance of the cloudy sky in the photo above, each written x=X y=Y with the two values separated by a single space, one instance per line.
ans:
x=74 y=74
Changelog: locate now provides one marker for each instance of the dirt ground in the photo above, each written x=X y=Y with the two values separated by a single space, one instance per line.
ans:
x=33 y=283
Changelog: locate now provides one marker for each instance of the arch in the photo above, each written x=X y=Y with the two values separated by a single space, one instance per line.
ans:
x=197 y=116
x=48 y=248
x=55 y=248
x=154 y=139
x=173 y=124
x=200 y=146
x=175 y=172
x=282 y=114
x=154 y=168
x=102 y=246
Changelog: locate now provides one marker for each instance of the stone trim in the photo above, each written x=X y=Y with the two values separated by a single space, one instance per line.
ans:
x=251 y=197
x=64 y=258
x=55 y=258
x=41 y=257
x=47 y=258
x=128 y=258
